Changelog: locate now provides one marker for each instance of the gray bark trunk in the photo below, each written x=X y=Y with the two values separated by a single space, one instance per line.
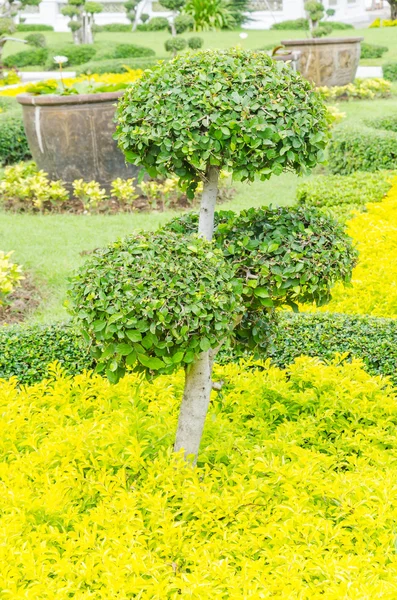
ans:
x=198 y=378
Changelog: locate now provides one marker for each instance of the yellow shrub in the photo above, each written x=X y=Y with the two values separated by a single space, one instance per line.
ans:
x=374 y=283
x=10 y=276
x=293 y=497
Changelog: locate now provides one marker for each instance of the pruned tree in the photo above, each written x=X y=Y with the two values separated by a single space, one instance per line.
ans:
x=175 y=6
x=81 y=22
x=393 y=9
x=236 y=110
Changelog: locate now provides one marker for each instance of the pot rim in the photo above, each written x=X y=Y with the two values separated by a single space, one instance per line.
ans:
x=54 y=100
x=322 y=41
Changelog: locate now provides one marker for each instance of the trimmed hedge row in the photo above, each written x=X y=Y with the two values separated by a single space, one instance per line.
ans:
x=362 y=149
x=25 y=352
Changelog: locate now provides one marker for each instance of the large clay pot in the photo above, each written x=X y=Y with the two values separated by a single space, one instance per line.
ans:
x=327 y=61
x=71 y=137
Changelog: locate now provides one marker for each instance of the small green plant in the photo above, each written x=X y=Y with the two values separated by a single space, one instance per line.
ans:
x=10 y=276
x=124 y=190
x=13 y=142
x=175 y=45
x=195 y=43
x=390 y=71
x=89 y=193
x=372 y=50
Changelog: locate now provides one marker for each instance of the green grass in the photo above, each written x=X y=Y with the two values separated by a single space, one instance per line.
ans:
x=221 y=39
x=49 y=246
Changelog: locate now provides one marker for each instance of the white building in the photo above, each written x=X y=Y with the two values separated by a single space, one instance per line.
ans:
x=265 y=12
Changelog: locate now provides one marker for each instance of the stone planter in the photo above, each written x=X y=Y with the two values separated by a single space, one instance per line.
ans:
x=327 y=61
x=71 y=137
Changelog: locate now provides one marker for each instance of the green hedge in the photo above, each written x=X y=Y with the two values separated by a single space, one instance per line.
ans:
x=362 y=149
x=34 y=56
x=118 y=65
x=389 y=123
x=372 y=50
x=38 y=27
x=116 y=27
x=13 y=143
x=25 y=352
x=132 y=51
x=303 y=25
x=390 y=71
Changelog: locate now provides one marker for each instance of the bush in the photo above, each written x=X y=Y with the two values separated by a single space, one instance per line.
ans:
x=183 y=23
x=132 y=51
x=336 y=190
x=390 y=71
x=27 y=58
x=118 y=65
x=361 y=89
x=195 y=43
x=362 y=149
x=389 y=123
x=76 y=55
x=116 y=27
x=296 y=476
x=36 y=39
x=162 y=322
x=291 y=25
x=10 y=276
x=175 y=44
x=13 y=143
x=372 y=50
x=37 y=27
x=155 y=24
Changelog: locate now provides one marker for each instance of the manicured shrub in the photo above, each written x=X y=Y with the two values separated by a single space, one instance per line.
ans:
x=116 y=27
x=390 y=71
x=36 y=39
x=361 y=89
x=132 y=51
x=195 y=43
x=76 y=55
x=336 y=190
x=13 y=143
x=340 y=26
x=296 y=476
x=373 y=290
x=362 y=149
x=183 y=23
x=175 y=45
x=155 y=24
x=118 y=65
x=34 y=27
x=162 y=321
x=292 y=24
x=27 y=58
x=372 y=50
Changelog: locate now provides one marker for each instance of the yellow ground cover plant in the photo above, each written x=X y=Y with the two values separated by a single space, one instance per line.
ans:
x=294 y=495
x=374 y=282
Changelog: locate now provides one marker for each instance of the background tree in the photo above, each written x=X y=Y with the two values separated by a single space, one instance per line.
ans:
x=175 y=7
x=81 y=22
x=211 y=15
x=393 y=9
x=234 y=110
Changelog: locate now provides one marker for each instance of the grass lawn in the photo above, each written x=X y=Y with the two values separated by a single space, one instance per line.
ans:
x=221 y=39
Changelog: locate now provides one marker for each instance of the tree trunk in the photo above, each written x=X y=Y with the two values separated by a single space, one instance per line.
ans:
x=172 y=23
x=393 y=10
x=198 y=377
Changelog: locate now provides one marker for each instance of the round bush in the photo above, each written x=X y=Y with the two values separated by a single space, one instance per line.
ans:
x=132 y=51
x=156 y=24
x=175 y=44
x=195 y=43
x=390 y=71
x=36 y=39
x=183 y=23
x=77 y=55
x=234 y=109
x=154 y=302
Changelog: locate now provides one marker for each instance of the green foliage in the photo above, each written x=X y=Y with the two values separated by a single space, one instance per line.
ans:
x=208 y=107
x=35 y=27
x=173 y=5
x=362 y=149
x=390 y=71
x=315 y=11
x=339 y=26
x=26 y=58
x=322 y=30
x=372 y=50
x=154 y=302
x=283 y=256
x=26 y=352
x=155 y=24
x=36 y=39
x=361 y=89
x=175 y=44
x=195 y=43
x=183 y=23
x=132 y=51
x=389 y=123
x=372 y=339
x=77 y=55
x=211 y=15
x=7 y=26
x=144 y=17
x=115 y=27
x=291 y=25
x=118 y=65
x=13 y=143
x=340 y=190
x=10 y=276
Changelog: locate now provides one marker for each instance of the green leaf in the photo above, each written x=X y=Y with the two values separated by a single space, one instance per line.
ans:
x=205 y=344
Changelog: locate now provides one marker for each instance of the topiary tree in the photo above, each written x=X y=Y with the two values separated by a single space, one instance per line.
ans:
x=7 y=27
x=236 y=110
x=175 y=7
x=175 y=45
x=195 y=43
x=81 y=22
